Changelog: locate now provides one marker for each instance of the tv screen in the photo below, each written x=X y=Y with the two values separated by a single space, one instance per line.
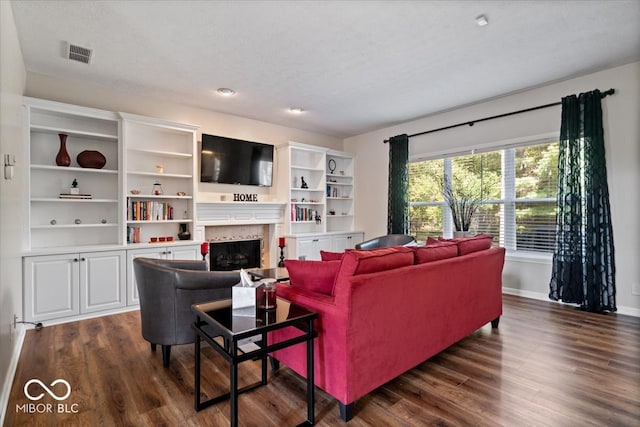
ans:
x=235 y=161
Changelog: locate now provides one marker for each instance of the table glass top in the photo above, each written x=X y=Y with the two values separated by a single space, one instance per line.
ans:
x=239 y=321
x=278 y=273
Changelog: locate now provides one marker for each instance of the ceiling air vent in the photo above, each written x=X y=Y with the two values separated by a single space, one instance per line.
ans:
x=78 y=53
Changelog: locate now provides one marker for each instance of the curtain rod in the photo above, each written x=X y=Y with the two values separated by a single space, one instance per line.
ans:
x=472 y=122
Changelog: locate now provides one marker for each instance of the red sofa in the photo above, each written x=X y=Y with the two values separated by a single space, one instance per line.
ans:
x=384 y=311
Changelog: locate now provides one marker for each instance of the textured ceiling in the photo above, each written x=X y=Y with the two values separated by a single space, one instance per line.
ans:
x=354 y=66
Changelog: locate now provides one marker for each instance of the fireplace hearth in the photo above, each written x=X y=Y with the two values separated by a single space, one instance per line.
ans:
x=234 y=255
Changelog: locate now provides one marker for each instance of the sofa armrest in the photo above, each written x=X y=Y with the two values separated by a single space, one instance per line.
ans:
x=314 y=301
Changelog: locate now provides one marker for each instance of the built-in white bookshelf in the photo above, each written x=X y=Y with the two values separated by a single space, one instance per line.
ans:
x=301 y=180
x=56 y=222
x=340 y=194
x=328 y=175
x=160 y=178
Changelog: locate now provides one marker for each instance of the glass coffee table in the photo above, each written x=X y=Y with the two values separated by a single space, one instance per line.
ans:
x=216 y=319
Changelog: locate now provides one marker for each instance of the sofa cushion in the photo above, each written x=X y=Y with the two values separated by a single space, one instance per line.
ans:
x=467 y=245
x=330 y=256
x=476 y=243
x=356 y=262
x=317 y=276
x=435 y=251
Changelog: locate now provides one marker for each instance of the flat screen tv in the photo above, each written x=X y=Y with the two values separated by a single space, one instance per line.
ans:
x=235 y=161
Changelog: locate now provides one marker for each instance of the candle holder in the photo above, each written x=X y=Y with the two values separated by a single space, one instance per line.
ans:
x=204 y=250
x=281 y=246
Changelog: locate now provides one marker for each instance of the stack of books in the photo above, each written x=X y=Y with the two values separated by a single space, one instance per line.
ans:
x=75 y=196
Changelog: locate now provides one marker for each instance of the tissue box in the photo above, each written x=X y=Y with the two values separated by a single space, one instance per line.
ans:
x=244 y=296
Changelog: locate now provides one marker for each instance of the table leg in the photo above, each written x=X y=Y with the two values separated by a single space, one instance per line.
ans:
x=197 y=371
x=233 y=392
x=310 y=380
x=264 y=361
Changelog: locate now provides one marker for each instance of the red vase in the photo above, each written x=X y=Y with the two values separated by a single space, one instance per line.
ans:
x=62 y=158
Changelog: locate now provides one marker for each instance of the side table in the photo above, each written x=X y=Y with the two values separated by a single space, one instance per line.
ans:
x=216 y=319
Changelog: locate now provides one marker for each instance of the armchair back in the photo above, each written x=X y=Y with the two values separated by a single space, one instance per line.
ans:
x=168 y=288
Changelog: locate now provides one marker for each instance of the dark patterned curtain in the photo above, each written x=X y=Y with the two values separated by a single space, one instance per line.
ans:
x=398 y=214
x=583 y=262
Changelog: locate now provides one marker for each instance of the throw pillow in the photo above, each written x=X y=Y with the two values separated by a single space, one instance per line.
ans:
x=436 y=251
x=330 y=256
x=476 y=243
x=370 y=261
x=316 y=276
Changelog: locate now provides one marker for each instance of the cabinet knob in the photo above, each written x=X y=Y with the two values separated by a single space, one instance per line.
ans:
x=315 y=240
x=83 y=259
x=168 y=252
x=75 y=260
x=348 y=237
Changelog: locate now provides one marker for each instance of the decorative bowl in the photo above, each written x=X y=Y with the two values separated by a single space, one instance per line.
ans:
x=91 y=159
x=135 y=191
x=181 y=193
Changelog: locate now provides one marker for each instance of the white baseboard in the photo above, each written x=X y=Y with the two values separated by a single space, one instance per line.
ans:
x=21 y=331
x=627 y=311
x=86 y=316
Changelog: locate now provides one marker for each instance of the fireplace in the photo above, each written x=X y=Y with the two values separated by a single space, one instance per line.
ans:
x=235 y=254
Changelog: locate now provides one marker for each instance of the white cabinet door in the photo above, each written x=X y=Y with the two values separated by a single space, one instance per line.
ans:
x=102 y=281
x=184 y=252
x=51 y=285
x=159 y=252
x=353 y=239
x=132 y=288
x=340 y=243
x=304 y=248
x=322 y=244
x=310 y=247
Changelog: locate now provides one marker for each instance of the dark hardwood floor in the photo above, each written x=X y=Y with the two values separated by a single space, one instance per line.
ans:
x=546 y=365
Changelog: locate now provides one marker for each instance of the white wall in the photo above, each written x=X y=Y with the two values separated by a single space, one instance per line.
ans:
x=622 y=134
x=12 y=80
x=72 y=92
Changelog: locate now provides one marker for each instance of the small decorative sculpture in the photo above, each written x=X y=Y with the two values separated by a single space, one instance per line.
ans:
x=304 y=183
x=74 y=187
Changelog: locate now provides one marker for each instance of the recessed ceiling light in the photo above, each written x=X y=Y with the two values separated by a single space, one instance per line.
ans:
x=482 y=21
x=224 y=91
x=296 y=110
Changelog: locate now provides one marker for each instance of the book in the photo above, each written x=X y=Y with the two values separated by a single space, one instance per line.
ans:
x=75 y=196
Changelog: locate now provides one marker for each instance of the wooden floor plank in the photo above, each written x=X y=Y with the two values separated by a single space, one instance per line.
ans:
x=546 y=365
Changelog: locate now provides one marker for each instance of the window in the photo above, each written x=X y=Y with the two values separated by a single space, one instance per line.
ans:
x=517 y=187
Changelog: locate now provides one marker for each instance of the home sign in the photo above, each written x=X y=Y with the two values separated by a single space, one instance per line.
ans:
x=240 y=197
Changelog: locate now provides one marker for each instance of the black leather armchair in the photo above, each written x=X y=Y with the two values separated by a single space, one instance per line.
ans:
x=167 y=289
x=386 y=241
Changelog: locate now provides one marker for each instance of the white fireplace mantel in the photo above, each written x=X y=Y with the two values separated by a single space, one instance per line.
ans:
x=239 y=213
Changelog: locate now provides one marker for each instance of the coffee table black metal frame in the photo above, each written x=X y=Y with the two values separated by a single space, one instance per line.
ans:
x=213 y=319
